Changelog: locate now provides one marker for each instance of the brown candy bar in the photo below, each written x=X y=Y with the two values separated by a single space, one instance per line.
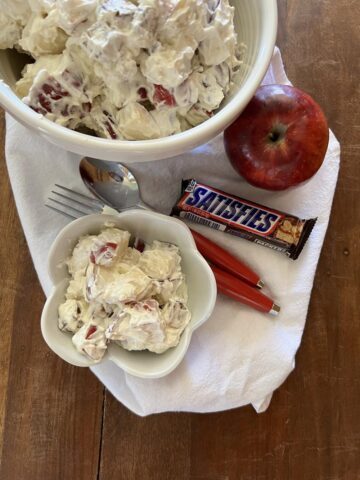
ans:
x=271 y=228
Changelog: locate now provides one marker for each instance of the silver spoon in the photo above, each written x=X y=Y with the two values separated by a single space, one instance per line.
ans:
x=112 y=183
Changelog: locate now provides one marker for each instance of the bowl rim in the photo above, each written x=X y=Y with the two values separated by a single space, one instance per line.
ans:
x=58 y=283
x=15 y=106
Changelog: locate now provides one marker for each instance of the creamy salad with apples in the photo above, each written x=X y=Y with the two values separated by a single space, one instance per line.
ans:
x=133 y=70
x=134 y=296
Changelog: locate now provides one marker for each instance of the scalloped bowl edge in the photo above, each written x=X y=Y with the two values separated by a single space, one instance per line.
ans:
x=151 y=226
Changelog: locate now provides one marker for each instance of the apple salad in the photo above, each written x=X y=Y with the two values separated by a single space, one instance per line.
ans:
x=135 y=297
x=139 y=69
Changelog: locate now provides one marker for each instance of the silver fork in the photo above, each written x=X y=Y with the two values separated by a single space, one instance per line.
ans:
x=72 y=204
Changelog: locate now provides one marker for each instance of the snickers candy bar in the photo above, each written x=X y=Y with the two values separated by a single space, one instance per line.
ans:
x=265 y=226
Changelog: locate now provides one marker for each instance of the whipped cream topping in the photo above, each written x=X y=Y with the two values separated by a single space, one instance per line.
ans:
x=133 y=70
x=117 y=293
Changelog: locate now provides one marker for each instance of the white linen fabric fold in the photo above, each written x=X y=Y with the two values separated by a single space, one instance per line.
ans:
x=239 y=356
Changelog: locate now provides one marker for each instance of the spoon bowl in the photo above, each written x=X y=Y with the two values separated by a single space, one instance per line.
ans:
x=112 y=183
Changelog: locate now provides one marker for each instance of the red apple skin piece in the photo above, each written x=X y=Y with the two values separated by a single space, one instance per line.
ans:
x=280 y=139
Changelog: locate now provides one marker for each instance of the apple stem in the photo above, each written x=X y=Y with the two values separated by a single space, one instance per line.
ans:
x=274 y=136
x=277 y=133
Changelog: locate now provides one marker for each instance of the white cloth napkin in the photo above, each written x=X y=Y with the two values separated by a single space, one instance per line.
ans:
x=239 y=356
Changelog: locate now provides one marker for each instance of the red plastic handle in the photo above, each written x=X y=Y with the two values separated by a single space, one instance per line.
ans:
x=237 y=289
x=223 y=259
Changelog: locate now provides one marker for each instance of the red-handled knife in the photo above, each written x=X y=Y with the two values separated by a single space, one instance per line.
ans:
x=238 y=290
x=223 y=259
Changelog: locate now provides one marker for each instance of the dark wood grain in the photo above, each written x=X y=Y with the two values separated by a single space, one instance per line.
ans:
x=51 y=414
x=312 y=428
x=8 y=219
x=155 y=447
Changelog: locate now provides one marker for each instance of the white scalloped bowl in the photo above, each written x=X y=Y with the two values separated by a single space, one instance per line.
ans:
x=256 y=26
x=149 y=226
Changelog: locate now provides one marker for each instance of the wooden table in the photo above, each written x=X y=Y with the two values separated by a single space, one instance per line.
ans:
x=58 y=422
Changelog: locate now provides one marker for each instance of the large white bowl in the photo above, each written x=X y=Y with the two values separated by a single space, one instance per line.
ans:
x=149 y=226
x=256 y=26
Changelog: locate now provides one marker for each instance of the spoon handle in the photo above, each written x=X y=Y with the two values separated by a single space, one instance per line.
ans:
x=225 y=260
x=240 y=291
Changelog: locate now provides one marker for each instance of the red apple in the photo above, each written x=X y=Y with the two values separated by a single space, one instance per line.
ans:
x=280 y=139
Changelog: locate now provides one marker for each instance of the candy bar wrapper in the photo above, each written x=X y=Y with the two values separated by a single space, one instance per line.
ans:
x=265 y=226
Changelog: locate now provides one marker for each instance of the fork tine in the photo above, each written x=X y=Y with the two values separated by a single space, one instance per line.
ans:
x=73 y=209
x=94 y=208
x=61 y=211
x=80 y=195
